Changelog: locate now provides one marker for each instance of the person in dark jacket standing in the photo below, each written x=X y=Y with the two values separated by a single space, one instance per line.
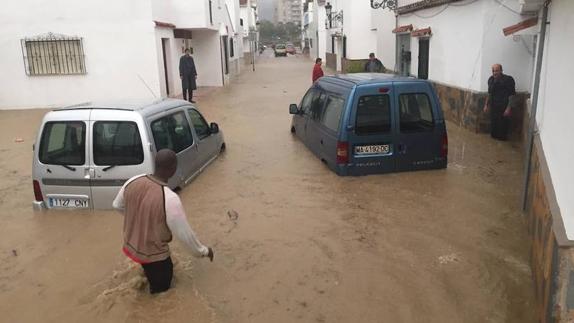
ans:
x=317 y=70
x=188 y=74
x=501 y=92
x=374 y=65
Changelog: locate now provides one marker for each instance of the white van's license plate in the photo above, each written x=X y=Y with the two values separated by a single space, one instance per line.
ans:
x=372 y=149
x=67 y=203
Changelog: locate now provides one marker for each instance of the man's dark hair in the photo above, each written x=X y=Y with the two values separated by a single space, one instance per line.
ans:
x=372 y=55
x=187 y=50
x=318 y=60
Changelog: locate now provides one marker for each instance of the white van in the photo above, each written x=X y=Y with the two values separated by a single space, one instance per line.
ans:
x=83 y=154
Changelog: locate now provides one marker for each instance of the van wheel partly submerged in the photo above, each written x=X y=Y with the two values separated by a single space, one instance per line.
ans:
x=292 y=129
x=222 y=149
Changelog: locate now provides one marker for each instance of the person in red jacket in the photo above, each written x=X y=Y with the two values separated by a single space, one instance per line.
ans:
x=317 y=70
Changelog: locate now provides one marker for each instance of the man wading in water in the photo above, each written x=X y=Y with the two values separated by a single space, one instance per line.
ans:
x=152 y=213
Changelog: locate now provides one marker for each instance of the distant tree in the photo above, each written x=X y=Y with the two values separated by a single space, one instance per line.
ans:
x=280 y=32
x=267 y=31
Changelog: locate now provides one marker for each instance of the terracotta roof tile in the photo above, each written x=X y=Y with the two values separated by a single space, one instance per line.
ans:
x=403 y=29
x=421 y=32
x=520 y=26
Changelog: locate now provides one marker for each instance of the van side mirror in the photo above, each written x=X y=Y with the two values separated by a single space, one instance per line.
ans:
x=213 y=127
x=293 y=109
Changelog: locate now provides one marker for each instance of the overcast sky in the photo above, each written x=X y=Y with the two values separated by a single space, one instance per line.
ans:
x=266 y=9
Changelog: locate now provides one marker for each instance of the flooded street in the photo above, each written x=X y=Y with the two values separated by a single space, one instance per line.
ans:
x=308 y=246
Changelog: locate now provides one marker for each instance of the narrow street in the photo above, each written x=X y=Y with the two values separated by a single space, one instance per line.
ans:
x=308 y=246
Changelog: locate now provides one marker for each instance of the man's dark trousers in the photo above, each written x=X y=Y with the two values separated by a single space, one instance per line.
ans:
x=189 y=79
x=499 y=124
x=159 y=275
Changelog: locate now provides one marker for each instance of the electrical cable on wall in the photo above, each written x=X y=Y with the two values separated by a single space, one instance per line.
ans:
x=501 y=3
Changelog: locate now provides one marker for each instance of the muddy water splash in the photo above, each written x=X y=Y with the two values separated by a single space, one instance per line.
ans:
x=302 y=245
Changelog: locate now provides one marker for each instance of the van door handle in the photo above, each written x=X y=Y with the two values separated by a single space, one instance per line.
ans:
x=89 y=173
x=321 y=141
x=402 y=148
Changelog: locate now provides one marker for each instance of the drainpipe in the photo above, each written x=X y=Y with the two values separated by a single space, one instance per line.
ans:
x=535 y=91
x=397 y=57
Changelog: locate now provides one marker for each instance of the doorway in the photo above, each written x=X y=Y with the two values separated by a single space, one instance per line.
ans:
x=423 y=58
x=165 y=50
x=404 y=54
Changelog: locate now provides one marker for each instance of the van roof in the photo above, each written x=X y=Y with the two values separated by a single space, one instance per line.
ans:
x=368 y=78
x=144 y=107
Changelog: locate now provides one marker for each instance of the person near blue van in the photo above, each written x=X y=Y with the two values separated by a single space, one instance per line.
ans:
x=501 y=92
x=374 y=65
x=188 y=74
x=152 y=213
x=317 y=70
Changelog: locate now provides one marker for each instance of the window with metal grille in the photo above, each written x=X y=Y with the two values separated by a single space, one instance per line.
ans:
x=53 y=54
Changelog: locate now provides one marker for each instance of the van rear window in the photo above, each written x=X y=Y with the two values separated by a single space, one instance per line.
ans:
x=117 y=143
x=373 y=115
x=63 y=143
x=415 y=113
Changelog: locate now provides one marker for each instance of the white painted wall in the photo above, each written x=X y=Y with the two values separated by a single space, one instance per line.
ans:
x=318 y=32
x=383 y=20
x=467 y=39
x=207 y=57
x=514 y=53
x=119 y=43
x=183 y=13
x=555 y=111
x=361 y=39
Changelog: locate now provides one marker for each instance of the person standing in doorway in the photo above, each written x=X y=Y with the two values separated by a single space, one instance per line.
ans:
x=317 y=70
x=188 y=75
x=374 y=65
x=152 y=213
x=501 y=92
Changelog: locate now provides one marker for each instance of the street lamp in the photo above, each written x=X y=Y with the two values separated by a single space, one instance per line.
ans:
x=328 y=8
x=382 y=4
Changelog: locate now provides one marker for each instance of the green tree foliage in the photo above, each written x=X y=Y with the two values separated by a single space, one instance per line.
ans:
x=270 y=32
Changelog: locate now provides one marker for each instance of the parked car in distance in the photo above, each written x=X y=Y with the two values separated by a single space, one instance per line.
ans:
x=83 y=154
x=371 y=123
x=290 y=49
x=280 y=50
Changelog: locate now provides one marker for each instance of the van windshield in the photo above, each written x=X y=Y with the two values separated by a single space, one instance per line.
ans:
x=373 y=115
x=63 y=143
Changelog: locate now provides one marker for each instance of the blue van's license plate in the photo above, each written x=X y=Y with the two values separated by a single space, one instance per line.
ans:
x=372 y=150
x=67 y=203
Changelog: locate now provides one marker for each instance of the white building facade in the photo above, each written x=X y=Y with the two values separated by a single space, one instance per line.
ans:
x=250 y=34
x=125 y=50
x=315 y=30
x=455 y=43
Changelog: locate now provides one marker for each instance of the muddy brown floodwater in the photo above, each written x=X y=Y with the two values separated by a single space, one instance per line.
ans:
x=434 y=246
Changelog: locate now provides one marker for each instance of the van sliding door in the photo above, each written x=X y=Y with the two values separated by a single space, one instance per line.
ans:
x=118 y=154
x=63 y=163
x=420 y=131
x=371 y=141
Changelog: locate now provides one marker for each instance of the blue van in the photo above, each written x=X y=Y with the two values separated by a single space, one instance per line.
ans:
x=371 y=123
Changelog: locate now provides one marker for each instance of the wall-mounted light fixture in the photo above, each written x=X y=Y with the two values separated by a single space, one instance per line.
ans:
x=332 y=16
x=382 y=4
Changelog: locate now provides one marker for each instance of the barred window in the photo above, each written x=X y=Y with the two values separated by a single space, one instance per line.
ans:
x=53 y=54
